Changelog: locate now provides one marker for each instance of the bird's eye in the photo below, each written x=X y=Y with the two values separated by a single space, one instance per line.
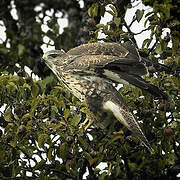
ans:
x=53 y=55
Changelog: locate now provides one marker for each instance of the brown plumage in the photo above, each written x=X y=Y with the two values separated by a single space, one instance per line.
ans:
x=89 y=70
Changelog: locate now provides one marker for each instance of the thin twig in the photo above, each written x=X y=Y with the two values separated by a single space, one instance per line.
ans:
x=134 y=19
x=153 y=46
x=131 y=34
x=141 y=31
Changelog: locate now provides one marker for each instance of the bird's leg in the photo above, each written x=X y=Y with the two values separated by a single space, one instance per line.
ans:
x=84 y=123
x=89 y=124
x=84 y=126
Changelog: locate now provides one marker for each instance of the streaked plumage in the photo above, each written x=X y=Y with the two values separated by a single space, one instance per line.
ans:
x=89 y=70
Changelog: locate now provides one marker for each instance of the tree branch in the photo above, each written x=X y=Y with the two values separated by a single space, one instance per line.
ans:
x=150 y=50
x=141 y=31
x=131 y=34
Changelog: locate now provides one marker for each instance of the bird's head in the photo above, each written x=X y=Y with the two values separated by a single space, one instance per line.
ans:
x=53 y=58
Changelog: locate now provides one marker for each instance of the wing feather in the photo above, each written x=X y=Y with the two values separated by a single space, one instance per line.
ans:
x=105 y=55
x=116 y=62
x=135 y=80
x=99 y=48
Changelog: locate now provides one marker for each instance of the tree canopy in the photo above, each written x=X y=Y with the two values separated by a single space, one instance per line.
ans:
x=40 y=136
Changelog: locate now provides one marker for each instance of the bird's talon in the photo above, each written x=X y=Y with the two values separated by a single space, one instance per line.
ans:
x=84 y=126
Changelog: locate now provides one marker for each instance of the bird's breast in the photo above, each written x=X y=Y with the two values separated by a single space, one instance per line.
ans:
x=76 y=84
x=83 y=86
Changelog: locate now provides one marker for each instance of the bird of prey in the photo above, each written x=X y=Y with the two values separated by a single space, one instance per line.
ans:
x=89 y=71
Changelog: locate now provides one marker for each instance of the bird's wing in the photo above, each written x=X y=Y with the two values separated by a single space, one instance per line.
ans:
x=127 y=55
x=99 y=48
x=100 y=56
x=103 y=48
x=112 y=61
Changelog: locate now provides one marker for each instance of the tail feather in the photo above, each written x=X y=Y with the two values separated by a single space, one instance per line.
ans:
x=144 y=85
x=154 y=90
x=111 y=102
x=127 y=119
x=159 y=67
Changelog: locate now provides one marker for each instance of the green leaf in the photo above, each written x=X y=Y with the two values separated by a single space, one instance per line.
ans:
x=67 y=166
x=89 y=158
x=56 y=126
x=76 y=119
x=111 y=12
x=35 y=90
x=50 y=154
x=63 y=151
x=100 y=26
x=26 y=116
x=29 y=150
x=4 y=50
x=20 y=49
x=149 y=13
x=42 y=176
x=117 y=21
x=85 y=110
x=54 y=111
x=93 y=10
x=90 y=11
x=25 y=85
x=115 y=13
x=66 y=113
x=40 y=164
x=2 y=155
x=133 y=166
x=146 y=43
x=158 y=49
x=42 y=139
x=8 y=115
x=42 y=85
x=83 y=142
x=139 y=14
x=176 y=115
x=145 y=22
x=16 y=116
x=11 y=85
x=102 y=11
x=14 y=141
